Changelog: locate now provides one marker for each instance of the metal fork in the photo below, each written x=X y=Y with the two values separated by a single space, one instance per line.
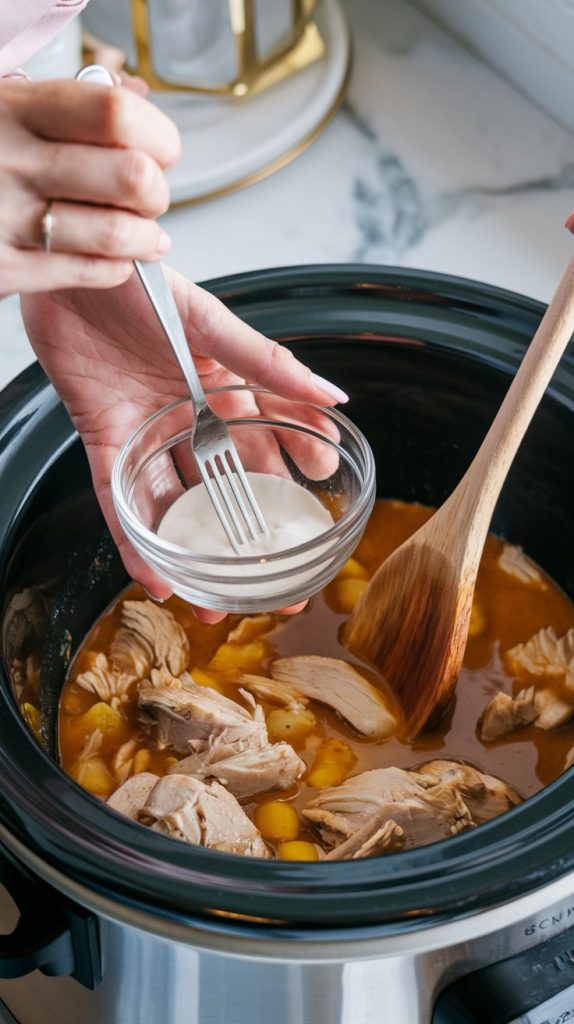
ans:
x=215 y=454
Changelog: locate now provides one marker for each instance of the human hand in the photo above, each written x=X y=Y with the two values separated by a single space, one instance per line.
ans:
x=111 y=365
x=98 y=156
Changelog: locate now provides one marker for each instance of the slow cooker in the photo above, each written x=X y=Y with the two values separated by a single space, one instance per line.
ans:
x=105 y=921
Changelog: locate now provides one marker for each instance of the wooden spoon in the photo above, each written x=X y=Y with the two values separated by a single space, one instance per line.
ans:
x=412 y=620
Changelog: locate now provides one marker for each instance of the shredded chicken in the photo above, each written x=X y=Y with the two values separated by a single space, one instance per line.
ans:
x=149 y=637
x=274 y=692
x=504 y=714
x=436 y=801
x=201 y=814
x=182 y=714
x=130 y=797
x=374 y=838
x=90 y=759
x=514 y=562
x=485 y=796
x=548 y=706
x=110 y=685
x=250 y=771
x=333 y=682
x=123 y=761
x=545 y=654
x=545 y=707
x=552 y=710
x=423 y=807
x=92 y=746
x=222 y=739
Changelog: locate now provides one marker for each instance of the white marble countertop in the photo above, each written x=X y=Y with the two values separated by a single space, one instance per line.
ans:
x=433 y=162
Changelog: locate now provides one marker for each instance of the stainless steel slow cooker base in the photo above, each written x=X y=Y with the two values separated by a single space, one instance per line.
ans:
x=120 y=925
x=156 y=970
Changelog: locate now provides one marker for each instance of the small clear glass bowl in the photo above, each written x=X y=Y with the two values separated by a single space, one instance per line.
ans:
x=319 y=448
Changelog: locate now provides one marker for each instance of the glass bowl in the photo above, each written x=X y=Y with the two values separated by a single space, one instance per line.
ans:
x=317 y=448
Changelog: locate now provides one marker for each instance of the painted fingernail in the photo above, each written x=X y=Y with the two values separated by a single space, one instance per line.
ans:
x=330 y=389
x=164 y=244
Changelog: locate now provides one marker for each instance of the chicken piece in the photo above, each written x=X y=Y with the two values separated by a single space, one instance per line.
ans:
x=90 y=769
x=250 y=771
x=505 y=714
x=425 y=808
x=123 y=762
x=371 y=840
x=485 y=796
x=222 y=739
x=131 y=796
x=552 y=711
x=184 y=714
x=340 y=686
x=104 y=680
x=274 y=692
x=149 y=637
x=544 y=654
x=514 y=562
x=546 y=707
x=201 y=814
x=251 y=627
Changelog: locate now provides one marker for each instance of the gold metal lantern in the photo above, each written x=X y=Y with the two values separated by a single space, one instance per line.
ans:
x=217 y=47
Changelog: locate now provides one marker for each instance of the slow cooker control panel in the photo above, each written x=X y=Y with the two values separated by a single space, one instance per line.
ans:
x=533 y=987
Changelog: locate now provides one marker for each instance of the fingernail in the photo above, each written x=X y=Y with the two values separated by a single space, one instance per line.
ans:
x=164 y=244
x=152 y=597
x=330 y=389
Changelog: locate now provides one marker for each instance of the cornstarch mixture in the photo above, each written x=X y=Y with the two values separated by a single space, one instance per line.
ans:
x=293 y=516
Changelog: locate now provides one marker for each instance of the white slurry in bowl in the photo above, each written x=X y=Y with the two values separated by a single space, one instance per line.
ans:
x=293 y=516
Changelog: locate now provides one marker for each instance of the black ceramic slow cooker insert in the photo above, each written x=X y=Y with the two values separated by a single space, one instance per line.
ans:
x=426 y=360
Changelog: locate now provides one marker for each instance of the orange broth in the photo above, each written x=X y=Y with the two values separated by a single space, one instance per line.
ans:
x=513 y=611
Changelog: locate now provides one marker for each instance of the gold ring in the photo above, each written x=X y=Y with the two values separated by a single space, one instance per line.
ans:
x=48 y=224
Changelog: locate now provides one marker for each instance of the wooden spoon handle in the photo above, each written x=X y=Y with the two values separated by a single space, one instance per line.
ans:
x=494 y=457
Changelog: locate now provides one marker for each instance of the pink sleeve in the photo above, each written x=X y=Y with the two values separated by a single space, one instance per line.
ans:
x=28 y=25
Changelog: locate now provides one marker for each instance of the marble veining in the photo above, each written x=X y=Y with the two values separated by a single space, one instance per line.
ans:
x=392 y=215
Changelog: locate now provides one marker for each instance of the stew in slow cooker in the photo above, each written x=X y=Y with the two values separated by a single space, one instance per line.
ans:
x=262 y=736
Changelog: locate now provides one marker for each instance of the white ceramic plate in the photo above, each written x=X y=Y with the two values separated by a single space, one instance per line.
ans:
x=229 y=143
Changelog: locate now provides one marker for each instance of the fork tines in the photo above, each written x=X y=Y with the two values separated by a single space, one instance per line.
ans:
x=232 y=497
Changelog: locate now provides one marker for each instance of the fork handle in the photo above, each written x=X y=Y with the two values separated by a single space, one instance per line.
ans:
x=160 y=294
x=161 y=297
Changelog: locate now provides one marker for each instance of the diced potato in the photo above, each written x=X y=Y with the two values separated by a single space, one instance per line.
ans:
x=93 y=775
x=297 y=850
x=277 y=820
x=478 y=619
x=347 y=593
x=32 y=718
x=290 y=724
x=141 y=761
x=333 y=763
x=102 y=716
x=205 y=679
x=234 y=659
x=353 y=569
